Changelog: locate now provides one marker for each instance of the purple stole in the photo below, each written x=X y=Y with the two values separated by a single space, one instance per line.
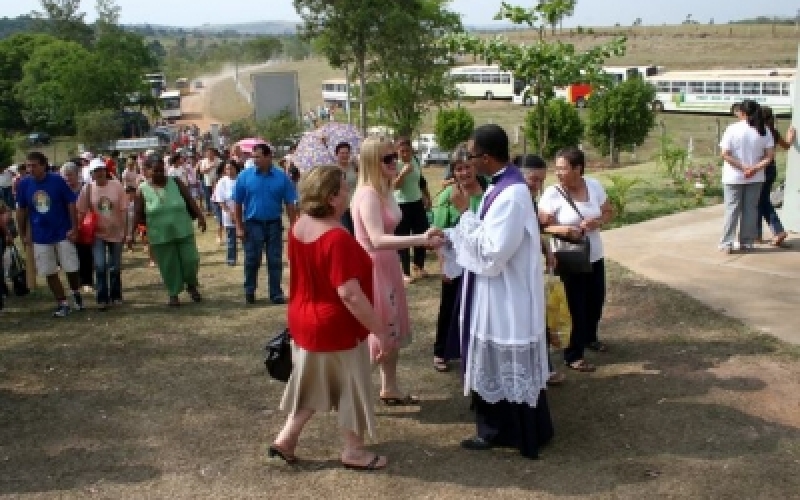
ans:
x=510 y=176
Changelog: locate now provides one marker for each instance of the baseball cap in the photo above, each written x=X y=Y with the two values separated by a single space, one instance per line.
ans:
x=87 y=155
x=97 y=163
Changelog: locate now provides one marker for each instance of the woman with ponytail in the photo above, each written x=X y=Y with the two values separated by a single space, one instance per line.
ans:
x=747 y=149
x=766 y=211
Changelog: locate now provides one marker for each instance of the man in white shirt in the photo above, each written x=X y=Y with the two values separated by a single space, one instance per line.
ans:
x=178 y=168
x=502 y=316
x=208 y=167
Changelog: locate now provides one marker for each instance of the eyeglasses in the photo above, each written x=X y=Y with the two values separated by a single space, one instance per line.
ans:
x=472 y=156
x=389 y=159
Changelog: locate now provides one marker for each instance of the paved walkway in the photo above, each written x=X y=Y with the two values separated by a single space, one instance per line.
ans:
x=762 y=288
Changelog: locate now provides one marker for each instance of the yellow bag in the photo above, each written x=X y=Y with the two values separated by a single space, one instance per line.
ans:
x=559 y=321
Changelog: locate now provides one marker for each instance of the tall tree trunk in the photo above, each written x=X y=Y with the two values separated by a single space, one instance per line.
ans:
x=362 y=93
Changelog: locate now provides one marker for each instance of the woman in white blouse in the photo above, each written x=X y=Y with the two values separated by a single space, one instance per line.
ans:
x=747 y=148
x=585 y=291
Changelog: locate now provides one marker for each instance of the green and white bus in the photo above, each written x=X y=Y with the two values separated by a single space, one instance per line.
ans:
x=716 y=91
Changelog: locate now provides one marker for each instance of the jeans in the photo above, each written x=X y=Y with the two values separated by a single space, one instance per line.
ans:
x=230 y=234
x=86 y=258
x=263 y=236
x=107 y=257
x=207 y=191
x=765 y=209
x=741 y=212
x=586 y=294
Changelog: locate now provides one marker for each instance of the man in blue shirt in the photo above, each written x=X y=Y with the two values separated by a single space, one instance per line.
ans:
x=47 y=219
x=259 y=194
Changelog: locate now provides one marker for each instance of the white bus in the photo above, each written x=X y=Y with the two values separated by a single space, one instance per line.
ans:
x=170 y=102
x=484 y=82
x=334 y=92
x=156 y=82
x=716 y=91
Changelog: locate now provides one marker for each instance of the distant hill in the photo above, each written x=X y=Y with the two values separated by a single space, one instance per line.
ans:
x=253 y=28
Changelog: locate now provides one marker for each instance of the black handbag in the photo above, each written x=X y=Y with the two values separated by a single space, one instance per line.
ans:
x=19 y=278
x=279 y=356
x=572 y=256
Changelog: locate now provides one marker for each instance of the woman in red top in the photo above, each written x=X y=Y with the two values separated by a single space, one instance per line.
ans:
x=330 y=316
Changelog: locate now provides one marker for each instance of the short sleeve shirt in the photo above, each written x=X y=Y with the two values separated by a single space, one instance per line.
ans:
x=553 y=203
x=47 y=202
x=262 y=194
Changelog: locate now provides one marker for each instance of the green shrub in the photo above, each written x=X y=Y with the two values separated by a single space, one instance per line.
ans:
x=564 y=127
x=453 y=126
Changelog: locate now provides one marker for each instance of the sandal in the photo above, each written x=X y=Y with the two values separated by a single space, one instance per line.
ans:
x=369 y=467
x=274 y=451
x=597 y=346
x=194 y=294
x=581 y=366
x=556 y=379
x=407 y=400
x=440 y=365
x=778 y=240
x=174 y=301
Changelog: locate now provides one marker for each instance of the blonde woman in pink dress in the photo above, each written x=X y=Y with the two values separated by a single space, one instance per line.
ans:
x=375 y=216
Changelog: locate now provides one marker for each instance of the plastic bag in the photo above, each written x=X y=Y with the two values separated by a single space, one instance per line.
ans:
x=559 y=321
x=87 y=228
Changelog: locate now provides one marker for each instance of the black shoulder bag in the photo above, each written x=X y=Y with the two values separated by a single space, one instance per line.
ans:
x=279 y=356
x=572 y=256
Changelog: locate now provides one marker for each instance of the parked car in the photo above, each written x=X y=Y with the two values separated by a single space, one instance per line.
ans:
x=38 y=139
x=436 y=156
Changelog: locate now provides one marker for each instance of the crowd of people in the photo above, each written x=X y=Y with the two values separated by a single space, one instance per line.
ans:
x=358 y=234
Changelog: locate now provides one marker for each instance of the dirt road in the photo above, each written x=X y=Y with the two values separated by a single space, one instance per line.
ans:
x=197 y=106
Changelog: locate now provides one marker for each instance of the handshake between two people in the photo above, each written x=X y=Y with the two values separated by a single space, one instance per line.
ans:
x=434 y=237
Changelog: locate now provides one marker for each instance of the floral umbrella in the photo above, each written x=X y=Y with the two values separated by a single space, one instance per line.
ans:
x=335 y=132
x=312 y=151
x=247 y=144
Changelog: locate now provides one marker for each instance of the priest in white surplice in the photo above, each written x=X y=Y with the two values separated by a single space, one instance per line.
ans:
x=502 y=318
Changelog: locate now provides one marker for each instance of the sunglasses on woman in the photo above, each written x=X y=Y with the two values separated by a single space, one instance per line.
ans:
x=389 y=159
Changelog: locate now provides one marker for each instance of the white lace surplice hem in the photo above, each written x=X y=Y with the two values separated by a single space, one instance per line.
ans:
x=450 y=267
x=515 y=373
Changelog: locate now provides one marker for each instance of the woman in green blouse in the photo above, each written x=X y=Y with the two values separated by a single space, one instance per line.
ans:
x=413 y=200
x=445 y=216
x=164 y=204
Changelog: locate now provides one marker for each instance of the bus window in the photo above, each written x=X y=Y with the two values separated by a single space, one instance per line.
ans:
x=730 y=88
x=678 y=87
x=713 y=87
x=785 y=88
x=696 y=87
x=663 y=87
x=772 y=88
x=751 y=88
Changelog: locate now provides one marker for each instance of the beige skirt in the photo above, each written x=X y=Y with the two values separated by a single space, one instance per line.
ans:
x=337 y=381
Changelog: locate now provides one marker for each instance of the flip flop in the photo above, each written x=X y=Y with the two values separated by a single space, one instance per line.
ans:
x=407 y=400
x=370 y=467
x=441 y=365
x=581 y=366
x=273 y=451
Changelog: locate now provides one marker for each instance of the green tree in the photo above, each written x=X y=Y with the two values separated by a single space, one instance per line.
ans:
x=15 y=51
x=63 y=19
x=7 y=150
x=95 y=129
x=347 y=29
x=621 y=117
x=51 y=77
x=280 y=128
x=564 y=127
x=408 y=71
x=157 y=49
x=545 y=65
x=107 y=16
x=263 y=48
x=555 y=11
x=453 y=126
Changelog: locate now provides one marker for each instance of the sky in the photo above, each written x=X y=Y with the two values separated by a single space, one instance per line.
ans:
x=474 y=12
